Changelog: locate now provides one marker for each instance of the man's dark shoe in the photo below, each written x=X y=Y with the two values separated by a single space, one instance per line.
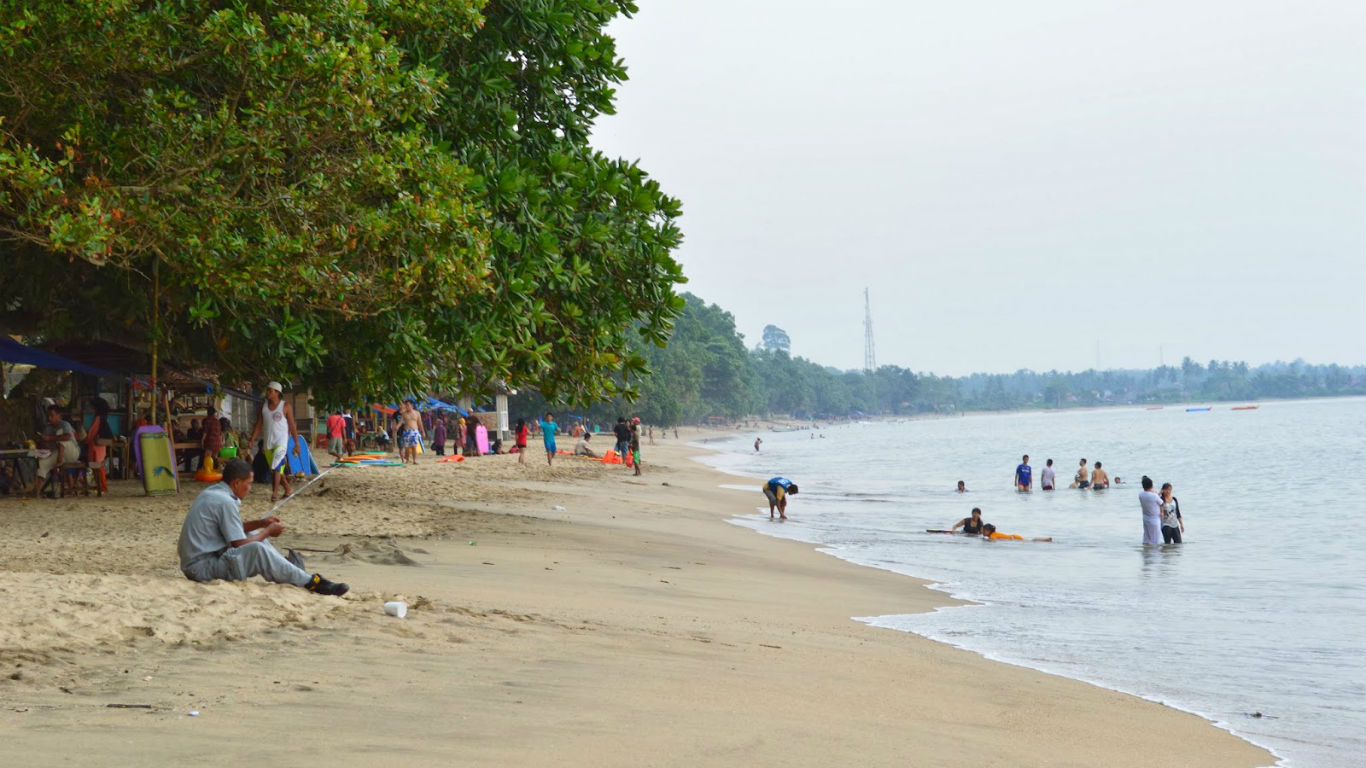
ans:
x=324 y=587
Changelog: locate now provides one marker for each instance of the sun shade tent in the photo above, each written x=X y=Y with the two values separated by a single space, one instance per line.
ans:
x=12 y=351
x=432 y=404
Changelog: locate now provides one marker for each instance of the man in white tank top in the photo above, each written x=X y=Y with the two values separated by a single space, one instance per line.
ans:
x=277 y=420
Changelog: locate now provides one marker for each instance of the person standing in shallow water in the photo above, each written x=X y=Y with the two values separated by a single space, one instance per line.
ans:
x=1151 y=506
x=1049 y=476
x=1083 y=478
x=1024 y=480
x=776 y=491
x=1100 y=479
x=1172 y=523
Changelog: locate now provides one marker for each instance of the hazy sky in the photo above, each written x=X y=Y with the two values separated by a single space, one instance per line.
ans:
x=1013 y=181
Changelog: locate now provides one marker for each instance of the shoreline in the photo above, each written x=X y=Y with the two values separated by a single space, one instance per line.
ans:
x=634 y=625
x=953 y=600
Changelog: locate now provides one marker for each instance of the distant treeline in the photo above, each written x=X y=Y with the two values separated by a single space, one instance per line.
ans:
x=706 y=372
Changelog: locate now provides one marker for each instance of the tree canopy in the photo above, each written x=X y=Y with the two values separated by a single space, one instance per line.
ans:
x=705 y=371
x=364 y=198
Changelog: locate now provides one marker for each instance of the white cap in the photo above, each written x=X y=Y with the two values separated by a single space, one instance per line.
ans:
x=275 y=385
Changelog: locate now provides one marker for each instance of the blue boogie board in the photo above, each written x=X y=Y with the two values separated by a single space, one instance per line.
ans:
x=302 y=464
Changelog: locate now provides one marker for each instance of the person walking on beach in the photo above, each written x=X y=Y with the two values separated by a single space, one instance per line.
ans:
x=275 y=424
x=522 y=431
x=1083 y=478
x=1100 y=479
x=336 y=435
x=634 y=445
x=1151 y=506
x=776 y=491
x=214 y=542
x=548 y=429
x=971 y=524
x=439 y=436
x=410 y=433
x=1172 y=523
x=350 y=431
x=1049 y=476
x=1024 y=475
x=623 y=435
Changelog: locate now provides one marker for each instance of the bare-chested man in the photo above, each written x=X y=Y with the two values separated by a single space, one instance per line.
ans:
x=1100 y=479
x=410 y=431
x=1083 y=478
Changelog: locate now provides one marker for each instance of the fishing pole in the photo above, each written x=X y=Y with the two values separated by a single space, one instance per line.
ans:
x=300 y=490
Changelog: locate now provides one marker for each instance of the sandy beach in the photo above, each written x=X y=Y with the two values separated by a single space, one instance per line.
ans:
x=574 y=615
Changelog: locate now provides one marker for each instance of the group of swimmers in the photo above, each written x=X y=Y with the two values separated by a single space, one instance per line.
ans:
x=1097 y=480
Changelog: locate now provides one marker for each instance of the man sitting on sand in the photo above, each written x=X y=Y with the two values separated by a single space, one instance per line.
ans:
x=581 y=447
x=777 y=490
x=214 y=543
x=989 y=532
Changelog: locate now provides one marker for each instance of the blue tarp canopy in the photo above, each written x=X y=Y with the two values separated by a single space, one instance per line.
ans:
x=12 y=351
x=432 y=404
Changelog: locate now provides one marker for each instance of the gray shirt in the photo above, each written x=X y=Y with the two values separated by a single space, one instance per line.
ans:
x=1151 y=504
x=213 y=523
x=63 y=428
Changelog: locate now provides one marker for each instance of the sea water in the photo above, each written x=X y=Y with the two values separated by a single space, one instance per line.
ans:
x=1261 y=610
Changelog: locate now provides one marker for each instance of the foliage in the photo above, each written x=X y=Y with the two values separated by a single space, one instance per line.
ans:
x=775 y=339
x=580 y=242
x=704 y=372
x=366 y=198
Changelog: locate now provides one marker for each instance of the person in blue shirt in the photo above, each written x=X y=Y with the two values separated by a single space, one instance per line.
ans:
x=776 y=491
x=548 y=429
x=1024 y=475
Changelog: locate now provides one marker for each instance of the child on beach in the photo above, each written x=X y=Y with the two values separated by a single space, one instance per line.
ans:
x=522 y=430
x=548 y=429
x=989 y=532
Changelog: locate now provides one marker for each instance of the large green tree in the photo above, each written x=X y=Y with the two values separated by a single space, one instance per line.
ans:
x=368 y=198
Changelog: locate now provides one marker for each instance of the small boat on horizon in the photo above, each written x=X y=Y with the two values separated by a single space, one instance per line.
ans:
x=1153 y=408
x=1245 y=407
x=1193 y=410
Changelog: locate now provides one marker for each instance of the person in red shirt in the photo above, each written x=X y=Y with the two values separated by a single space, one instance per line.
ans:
x=522 y=432
x=336 y=435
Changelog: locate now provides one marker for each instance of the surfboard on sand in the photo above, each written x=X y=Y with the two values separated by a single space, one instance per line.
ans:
x=157 y=462
x=481 y=439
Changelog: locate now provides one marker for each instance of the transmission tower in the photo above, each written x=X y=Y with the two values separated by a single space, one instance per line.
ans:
x=869 y=356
